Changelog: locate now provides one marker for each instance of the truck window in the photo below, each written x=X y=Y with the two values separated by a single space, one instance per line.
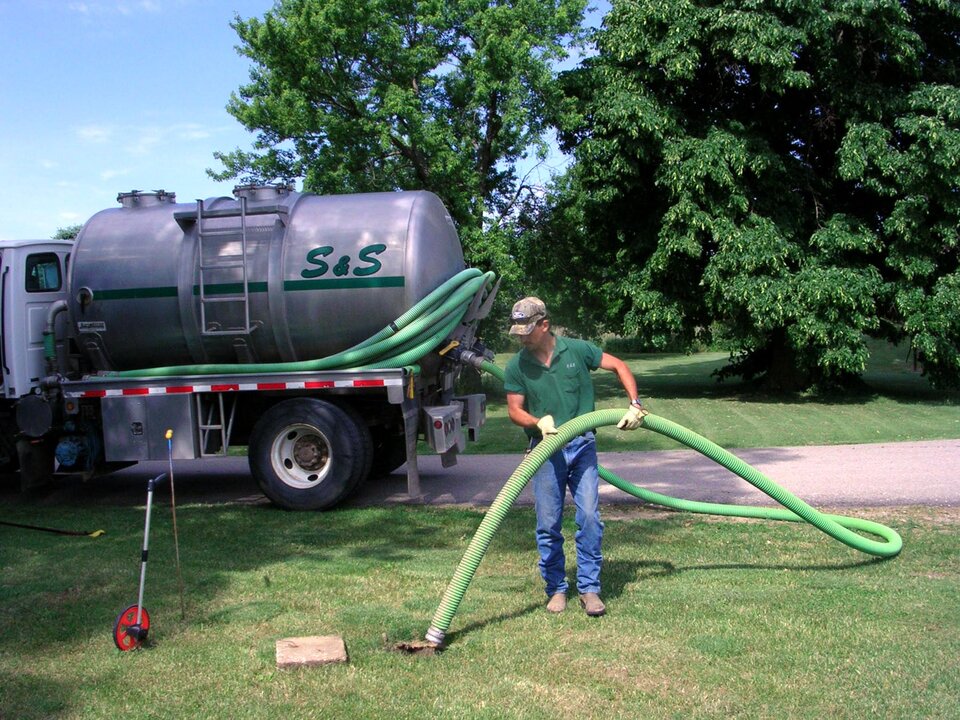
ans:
x=43 y=272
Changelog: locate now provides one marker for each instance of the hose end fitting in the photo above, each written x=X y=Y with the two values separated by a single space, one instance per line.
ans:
x=435 y=636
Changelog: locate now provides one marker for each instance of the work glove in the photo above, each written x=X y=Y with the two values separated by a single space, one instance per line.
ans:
x=546 y=426
x=632 y=419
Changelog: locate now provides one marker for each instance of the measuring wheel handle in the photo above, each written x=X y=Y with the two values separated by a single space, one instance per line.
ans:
x=127 y=633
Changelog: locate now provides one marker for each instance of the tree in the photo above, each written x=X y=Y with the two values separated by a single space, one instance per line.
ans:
x=404 y=94
x=784 y=173
x=67 y=233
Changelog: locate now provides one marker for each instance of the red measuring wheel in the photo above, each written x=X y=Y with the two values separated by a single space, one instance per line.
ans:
x=128 y=634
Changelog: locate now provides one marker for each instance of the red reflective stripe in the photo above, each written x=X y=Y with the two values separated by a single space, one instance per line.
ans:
x=235 y=387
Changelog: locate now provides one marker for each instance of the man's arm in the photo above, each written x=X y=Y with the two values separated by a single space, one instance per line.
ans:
x=634 y=415
x=516 y=412
x=615 y=364
x=519 y=416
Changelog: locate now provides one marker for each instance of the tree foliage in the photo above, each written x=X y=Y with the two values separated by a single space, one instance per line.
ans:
x=784 y=173
x=384 y=95
x=67 y=233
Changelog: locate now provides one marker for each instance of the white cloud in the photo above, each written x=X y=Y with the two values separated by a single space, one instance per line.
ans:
x=144 y=140
x=111 y=174
x=95 y=133
x=192 y=131
x=114 y=8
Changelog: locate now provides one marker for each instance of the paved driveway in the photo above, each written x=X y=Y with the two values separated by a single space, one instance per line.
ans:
x=887 y=474
x=911 y=473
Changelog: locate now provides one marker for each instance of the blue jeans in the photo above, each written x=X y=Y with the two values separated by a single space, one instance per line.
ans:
x=573 y=466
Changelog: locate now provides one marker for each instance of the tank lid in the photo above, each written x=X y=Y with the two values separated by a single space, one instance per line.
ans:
x=136 y=198
x=262 y=192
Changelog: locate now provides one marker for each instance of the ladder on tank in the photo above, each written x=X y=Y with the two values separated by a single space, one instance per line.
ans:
x=218 y=237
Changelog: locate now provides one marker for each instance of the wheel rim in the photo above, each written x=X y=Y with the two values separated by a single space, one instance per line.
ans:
x=126 y=622
x=301 y=456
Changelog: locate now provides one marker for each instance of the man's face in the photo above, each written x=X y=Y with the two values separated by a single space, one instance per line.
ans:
x=535 y=339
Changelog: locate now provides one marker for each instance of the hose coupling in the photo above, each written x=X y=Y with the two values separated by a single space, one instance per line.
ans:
x=475 y=357
x=435 y=636
x=51 y=383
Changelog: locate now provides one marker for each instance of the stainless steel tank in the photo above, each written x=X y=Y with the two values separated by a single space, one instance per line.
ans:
x=270 y=275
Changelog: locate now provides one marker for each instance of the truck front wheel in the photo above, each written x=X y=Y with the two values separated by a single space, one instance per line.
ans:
x=307 y=454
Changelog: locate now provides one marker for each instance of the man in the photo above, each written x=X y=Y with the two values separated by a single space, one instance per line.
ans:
x=548 y=383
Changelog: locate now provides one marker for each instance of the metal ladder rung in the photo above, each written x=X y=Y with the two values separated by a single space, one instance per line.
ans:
x=219 y=265
x=223 y=298
x=221 y=232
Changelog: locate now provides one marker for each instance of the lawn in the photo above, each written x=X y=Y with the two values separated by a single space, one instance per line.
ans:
x=706 y=618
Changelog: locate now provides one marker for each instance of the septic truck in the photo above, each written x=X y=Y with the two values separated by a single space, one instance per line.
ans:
x=323 y=333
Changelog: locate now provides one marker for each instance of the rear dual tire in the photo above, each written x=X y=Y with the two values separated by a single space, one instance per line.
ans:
x=309 y=454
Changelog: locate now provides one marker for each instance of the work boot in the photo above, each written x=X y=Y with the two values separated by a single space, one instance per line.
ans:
x=557 y=603
x=592 y=603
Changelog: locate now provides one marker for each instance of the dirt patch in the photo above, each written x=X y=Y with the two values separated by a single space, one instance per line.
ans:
x=417 y=647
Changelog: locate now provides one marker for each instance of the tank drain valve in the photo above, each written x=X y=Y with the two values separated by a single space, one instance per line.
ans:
x=476 y=357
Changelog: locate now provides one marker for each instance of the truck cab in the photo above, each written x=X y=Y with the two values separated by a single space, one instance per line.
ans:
x=33 y=275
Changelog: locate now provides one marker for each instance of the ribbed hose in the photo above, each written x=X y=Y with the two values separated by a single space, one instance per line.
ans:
x=491 y=523
x=834 y=525
x=411 y=336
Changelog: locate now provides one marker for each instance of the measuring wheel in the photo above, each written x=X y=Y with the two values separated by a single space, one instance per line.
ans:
x=128 y=633
x=132 y=625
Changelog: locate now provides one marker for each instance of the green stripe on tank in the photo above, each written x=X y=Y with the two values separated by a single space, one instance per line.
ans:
x=348 y=283
x=135 y=293
x=230 y=288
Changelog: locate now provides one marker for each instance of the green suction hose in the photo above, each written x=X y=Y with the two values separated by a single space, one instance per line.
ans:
x=404 y=341
x=491 y=523
x=836 y=526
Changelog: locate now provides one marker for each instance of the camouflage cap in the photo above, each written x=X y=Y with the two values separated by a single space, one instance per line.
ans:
x=526 y=314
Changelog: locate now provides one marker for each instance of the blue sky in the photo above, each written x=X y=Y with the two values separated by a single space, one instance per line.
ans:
x=104 y=96
x=99 y=97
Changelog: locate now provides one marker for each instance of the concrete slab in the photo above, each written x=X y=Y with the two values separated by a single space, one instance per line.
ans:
x=310 y=651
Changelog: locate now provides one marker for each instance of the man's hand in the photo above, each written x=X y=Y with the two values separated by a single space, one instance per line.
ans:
x=546 y=426
x=632 y=419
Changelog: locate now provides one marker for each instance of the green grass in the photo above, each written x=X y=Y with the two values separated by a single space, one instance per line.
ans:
x=706 y=618
x=894 y=404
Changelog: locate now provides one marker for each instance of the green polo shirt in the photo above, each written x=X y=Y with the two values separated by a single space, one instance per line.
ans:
x=564 y=390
